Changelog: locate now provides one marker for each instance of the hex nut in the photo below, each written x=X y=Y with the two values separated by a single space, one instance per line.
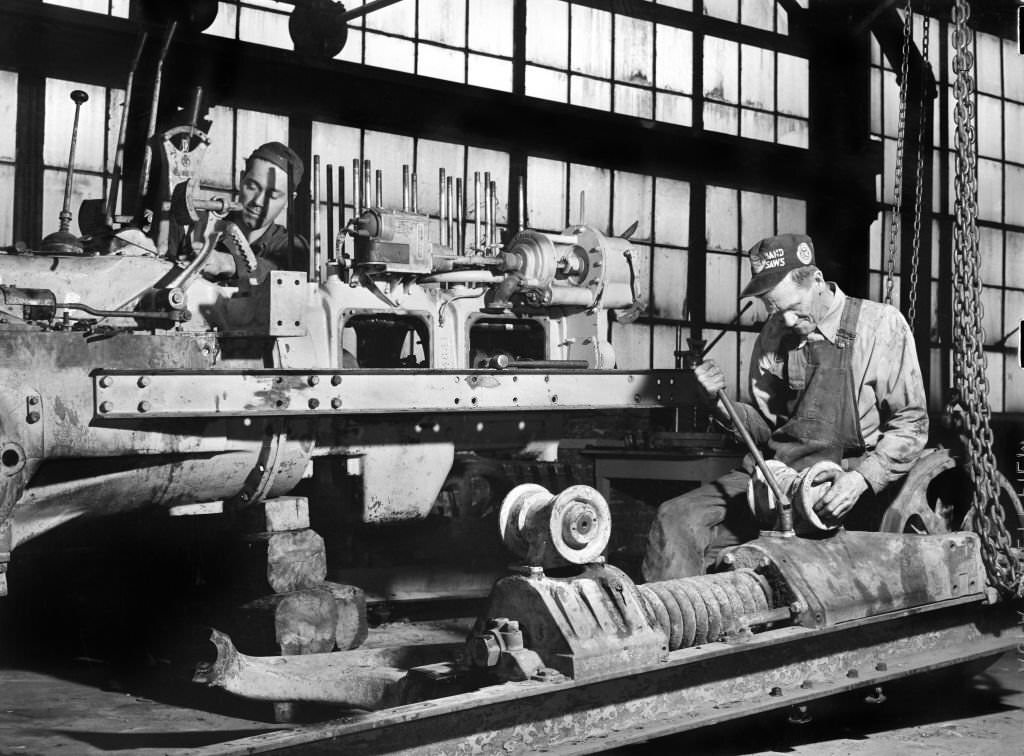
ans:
x=484 y=650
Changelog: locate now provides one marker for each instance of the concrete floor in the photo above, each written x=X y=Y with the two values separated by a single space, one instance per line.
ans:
x=97 y=710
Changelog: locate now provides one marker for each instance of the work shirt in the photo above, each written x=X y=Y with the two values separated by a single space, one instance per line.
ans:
x=273 y=253
x=890 y=393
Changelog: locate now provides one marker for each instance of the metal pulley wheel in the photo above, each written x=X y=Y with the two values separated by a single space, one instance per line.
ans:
x=798 y=486
x=318 y=28
x=547 y=531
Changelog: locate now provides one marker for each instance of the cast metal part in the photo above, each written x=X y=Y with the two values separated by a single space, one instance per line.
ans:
x=547 y=530
x=250 y=393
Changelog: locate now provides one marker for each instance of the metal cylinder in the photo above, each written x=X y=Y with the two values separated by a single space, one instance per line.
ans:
x=357 y=188
x=488 y=208
x=442 y=209
x=379 y=189
x=449 y=220
x=367 y=184
x=460 y=234
x=476 y=209
x=493 y=237
x=405 y=187
x=547 y=531
x=314 y=259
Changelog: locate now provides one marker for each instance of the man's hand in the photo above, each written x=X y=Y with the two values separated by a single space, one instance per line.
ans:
x=846 y=489
x=710 y=377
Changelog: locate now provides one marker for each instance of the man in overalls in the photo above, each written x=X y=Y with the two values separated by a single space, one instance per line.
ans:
x=831 y=377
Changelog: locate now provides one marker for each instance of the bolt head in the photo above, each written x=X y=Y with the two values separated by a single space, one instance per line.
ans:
x=105 y=381
x=335 y=403
x=776 y=692
x=144 y=380
x=106 y=406
x=853 y=674
x=33 y=401
x=33 y=417
x=335 y=380
x=313 y=380
x=145 y=406
x=314 y=403
x=881 y=666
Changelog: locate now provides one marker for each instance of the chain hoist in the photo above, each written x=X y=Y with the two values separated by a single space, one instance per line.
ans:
x=986 y=516
x=901 y=139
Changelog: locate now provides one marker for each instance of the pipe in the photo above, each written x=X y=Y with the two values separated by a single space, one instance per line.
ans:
x=476 y=209
x=357 y=189
x=460 y=233
x=314 y=259
x=504 y=362
x=414 y=192
x=341 y=215
x=379 y=188
x=405 y=188
x=522 y=205
x=147 y=159
x=367 y=184
x=329 y=175
x=488 y=209
x=494 y=237
x=441 y=208
x=115 y=176
x=462 y=276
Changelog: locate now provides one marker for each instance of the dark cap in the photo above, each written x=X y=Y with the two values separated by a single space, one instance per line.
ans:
x=281 y=155
x=773 y=258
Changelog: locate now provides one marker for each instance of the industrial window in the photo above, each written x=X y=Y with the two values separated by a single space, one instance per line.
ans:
x=609 y=61
x=759 y=14
x=456 y=40
x=99 y=121
x=736 y=219
x=560 y=194
x=755 y=92
x=999 y=102
x=8 y=119
x=118 y=8
x=338 y=146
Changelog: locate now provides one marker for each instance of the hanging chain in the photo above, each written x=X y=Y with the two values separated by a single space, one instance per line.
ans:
x=924 y=142
x=901 y=134
x=986 y=516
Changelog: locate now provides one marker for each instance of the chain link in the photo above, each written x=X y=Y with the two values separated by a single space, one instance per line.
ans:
x=924 y=142
x=901 y=134
x=986 y=516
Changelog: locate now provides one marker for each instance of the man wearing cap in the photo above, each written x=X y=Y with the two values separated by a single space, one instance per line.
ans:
x=272 y=172
x=832 y=377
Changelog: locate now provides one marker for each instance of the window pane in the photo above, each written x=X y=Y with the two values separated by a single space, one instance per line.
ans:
x=442 y=63
x=492 y=73
x=397 y=19
x=8 y=113
x=634 y=101
x=1015 y=261
x=727 y=10
x=793 y=132
x=757 y=13
x=757 y=217
x=634 y=195
x=674 y=53
x=86 y=186
x=677 y=109
x=591 y=41
x=597 y=183
x=672 y=212
x=495 y=162
x=757 y=125
x=791 y=215
x=590 y=93
x=757 y=77
x=670 y=271
x=723 y=279
x=722 y=118
x=431 y=156
x=990 y=190
x=60 y=117
x=634 y=50
x=388 y=52
x=632 y=346
x=441 y=21
x=387 y=153
x=721 y=69
x=545 y=194
x=990 y=249
x=990 y=127
x=1013 y=74
x=1015 y=189
x=7 y=201
x=792 y=85
x=490 y=26
x=545 y=84
x=1014 y=124
x=264 y=28
x=987 y=63
x=547 y=32
x=722 y=221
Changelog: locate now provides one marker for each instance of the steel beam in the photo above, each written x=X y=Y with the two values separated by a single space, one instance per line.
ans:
x=226 y=393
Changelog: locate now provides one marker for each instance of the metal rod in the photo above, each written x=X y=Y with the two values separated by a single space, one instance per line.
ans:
x=522 y=205
x=583 y=207
x=504 y=362
x=379 y=187
x=341 y=215
x=357 y=189
x=415 y=194
x=441 y=207
x=450 y=213
x=368 y=8
x=115 y=177
x=314 y=260
x=785 y=506
x=476 y=209
x=78 y=97
x=147 y=158
x=367 y=184
x=487 y=210
x=329 y=175
x=460 y=233
x=734 y=321
x=405 y=188
x=494 y=213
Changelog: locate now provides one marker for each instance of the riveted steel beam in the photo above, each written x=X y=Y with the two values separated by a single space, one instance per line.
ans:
x=222 y=393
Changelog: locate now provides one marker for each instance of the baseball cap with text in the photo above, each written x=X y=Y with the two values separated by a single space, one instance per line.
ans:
x=773 y=258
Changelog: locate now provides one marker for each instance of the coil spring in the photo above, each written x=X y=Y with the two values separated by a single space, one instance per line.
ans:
x=695 y=610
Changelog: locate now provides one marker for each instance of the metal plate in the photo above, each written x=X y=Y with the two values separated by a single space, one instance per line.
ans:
x=180 y=393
